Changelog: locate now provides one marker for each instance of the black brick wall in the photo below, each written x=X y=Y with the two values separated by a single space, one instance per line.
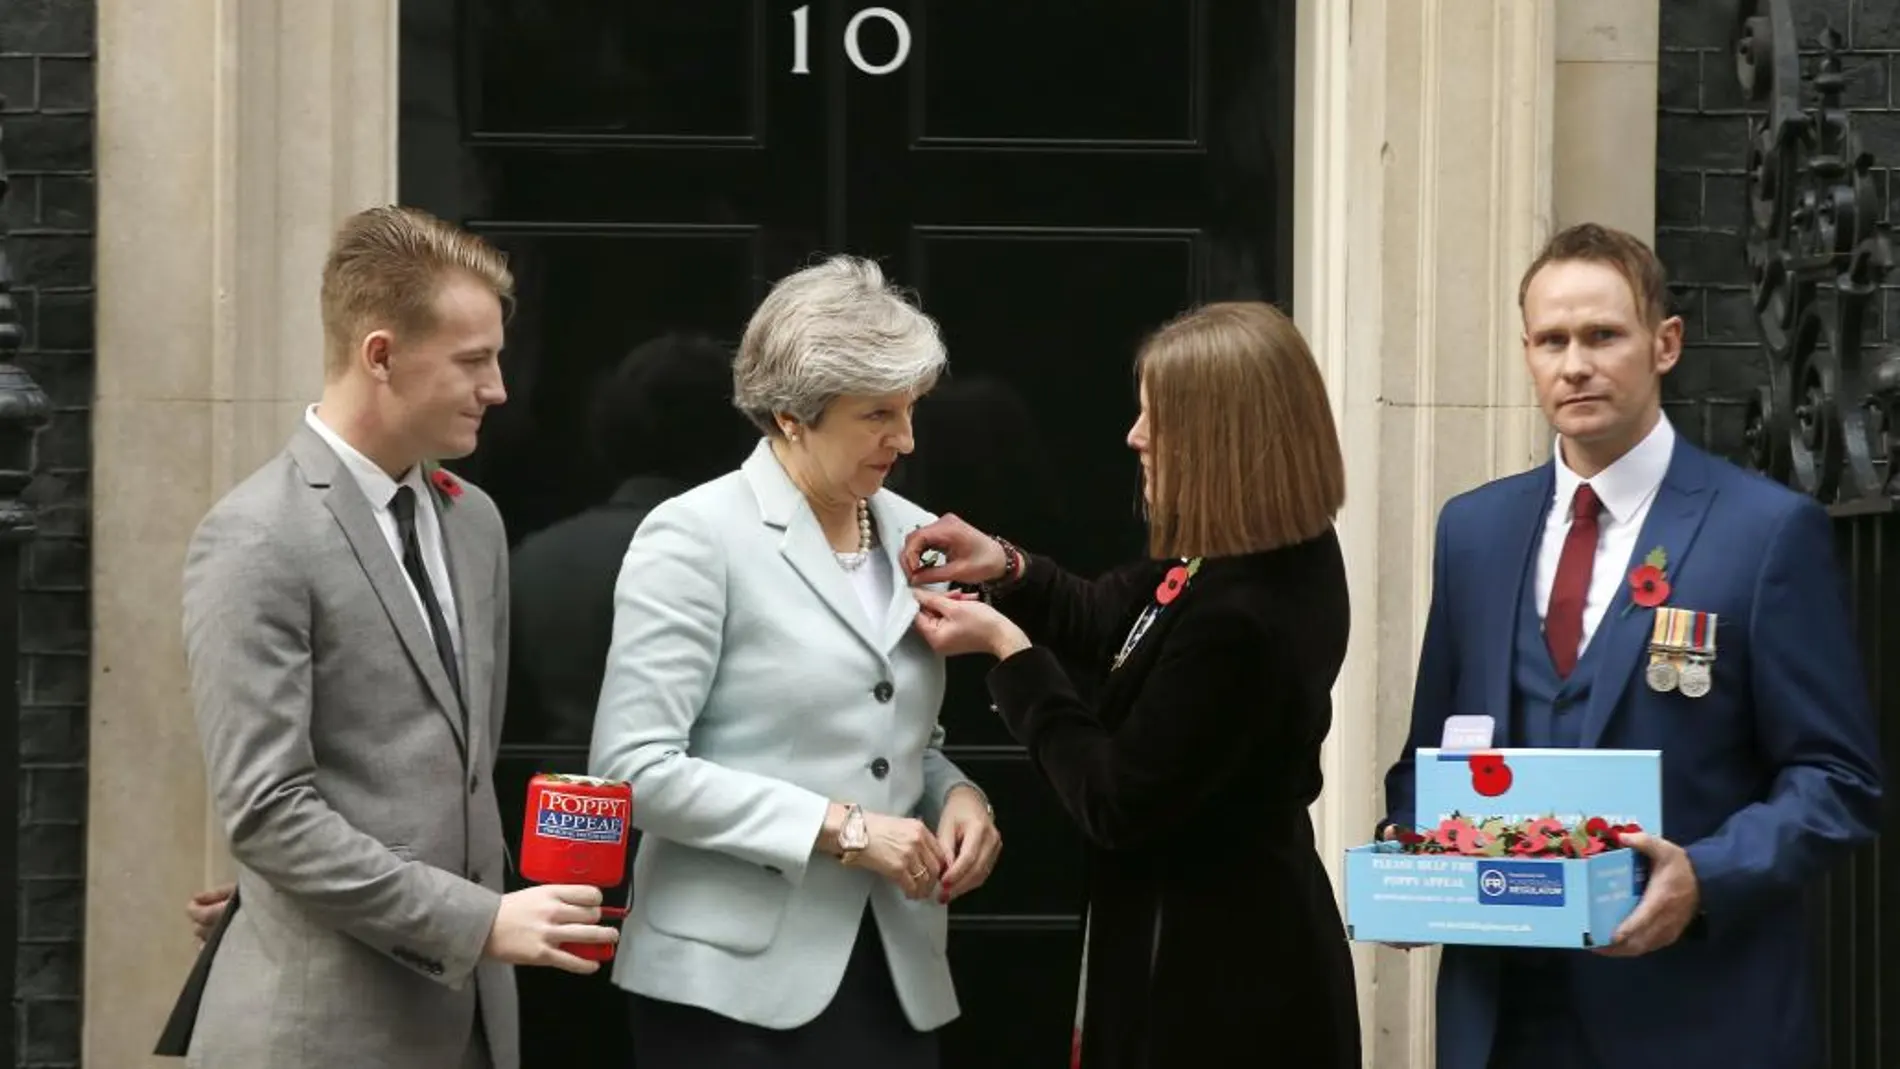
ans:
x=46 y=75
x=1702 y=133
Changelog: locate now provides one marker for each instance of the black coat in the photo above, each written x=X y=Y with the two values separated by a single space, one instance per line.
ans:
x=1214 y=934
x=561 y=597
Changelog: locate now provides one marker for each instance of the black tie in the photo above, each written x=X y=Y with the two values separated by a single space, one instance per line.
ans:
x=403 y=505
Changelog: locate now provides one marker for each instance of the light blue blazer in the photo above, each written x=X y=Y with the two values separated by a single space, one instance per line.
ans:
x=745 y=691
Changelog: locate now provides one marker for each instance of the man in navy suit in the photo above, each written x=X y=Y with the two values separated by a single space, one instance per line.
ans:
x=1770 y=761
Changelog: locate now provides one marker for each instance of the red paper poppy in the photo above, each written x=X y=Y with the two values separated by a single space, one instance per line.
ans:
x=1446 y=834
x=1593 y=842
x=449 y=486
x=1648 y=586
x=1536 y=837
x=1490 y=776
x=1172 y=584
x=1537 y=834
x=1458 y=835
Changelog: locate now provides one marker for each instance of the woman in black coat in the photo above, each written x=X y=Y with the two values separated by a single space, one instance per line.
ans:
x=1213 y=929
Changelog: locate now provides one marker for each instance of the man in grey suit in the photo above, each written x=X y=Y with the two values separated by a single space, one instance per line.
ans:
x=346 y=623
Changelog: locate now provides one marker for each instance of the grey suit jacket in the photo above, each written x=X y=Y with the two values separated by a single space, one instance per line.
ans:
x=746 y=689
x=358 y=803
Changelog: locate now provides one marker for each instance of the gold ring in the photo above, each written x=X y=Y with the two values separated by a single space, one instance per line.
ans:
x=918 y=874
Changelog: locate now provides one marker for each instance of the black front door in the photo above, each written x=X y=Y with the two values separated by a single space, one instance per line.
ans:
x=1054 y=179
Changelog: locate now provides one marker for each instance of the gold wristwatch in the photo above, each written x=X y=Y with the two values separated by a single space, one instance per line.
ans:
x=854 y=836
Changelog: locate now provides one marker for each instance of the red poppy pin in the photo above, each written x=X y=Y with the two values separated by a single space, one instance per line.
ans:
x=445 y=484
x=1490 y=776
x=1176 y=581
x=1649 y=581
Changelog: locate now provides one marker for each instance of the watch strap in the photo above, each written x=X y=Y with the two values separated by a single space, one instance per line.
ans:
x=853 y=837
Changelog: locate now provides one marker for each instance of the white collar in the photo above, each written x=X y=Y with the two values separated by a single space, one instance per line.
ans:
x=377 y=486
x=1625 y=485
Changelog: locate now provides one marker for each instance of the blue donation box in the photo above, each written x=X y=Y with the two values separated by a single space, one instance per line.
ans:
x=1515 y=847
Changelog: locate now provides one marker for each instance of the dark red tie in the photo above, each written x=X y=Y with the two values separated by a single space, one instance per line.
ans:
x=1563 y=620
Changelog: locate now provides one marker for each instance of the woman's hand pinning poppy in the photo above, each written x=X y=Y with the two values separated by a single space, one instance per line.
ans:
x=955 y=624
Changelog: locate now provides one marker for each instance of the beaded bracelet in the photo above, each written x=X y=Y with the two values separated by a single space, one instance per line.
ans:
x=1014 y=565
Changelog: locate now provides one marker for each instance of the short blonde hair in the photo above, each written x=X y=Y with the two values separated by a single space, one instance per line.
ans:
x=832 y=329
x=1245 y=455
x=385 y=268
x=1622 y=252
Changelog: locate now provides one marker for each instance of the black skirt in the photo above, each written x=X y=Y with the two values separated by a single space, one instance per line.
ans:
x=864 y=1027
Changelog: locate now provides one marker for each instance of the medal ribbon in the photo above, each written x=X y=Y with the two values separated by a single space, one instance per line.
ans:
x=1681 y=625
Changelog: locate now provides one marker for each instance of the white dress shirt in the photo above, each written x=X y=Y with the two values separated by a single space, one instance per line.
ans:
x=875 y=585
x=379 y=488
x=1626 y=488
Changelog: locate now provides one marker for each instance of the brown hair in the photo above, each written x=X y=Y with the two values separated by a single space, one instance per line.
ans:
x=386 y=266
x=1622 y=252
x=1245 y=455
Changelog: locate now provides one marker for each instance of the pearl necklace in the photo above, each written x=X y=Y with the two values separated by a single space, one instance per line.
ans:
x=852 y=561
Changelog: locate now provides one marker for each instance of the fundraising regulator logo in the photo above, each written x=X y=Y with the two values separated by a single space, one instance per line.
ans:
x=1520 y=883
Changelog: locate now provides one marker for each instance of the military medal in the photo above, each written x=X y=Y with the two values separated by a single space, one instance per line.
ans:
x=1698 y=671
x=1681 y=652
x=1695 y=679
x=1662 y=674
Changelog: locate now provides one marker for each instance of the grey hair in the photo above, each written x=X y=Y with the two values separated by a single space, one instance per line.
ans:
x=832 y=329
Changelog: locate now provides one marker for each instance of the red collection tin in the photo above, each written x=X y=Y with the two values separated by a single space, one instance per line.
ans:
x=574 y=830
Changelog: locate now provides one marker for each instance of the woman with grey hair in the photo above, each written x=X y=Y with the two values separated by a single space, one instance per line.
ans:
x=777 y=717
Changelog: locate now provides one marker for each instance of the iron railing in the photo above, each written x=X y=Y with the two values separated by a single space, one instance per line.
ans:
x=1817 y=255
x=1825 y=424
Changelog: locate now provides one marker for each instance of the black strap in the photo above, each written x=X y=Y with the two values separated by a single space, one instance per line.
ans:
x=175 y=1040
x=403 y=505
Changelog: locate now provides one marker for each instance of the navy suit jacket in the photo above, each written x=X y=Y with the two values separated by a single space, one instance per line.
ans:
x=1767 y=780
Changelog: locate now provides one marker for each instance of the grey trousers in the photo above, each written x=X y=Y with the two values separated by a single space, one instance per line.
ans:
x=477 y=1056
